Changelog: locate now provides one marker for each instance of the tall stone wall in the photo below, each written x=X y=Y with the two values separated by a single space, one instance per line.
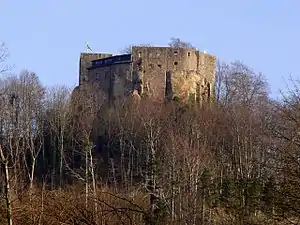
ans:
x=207 y=70
x=187 y=72
x=150 y=65
x=85 y=62
x=158 y=72
x=114 y=80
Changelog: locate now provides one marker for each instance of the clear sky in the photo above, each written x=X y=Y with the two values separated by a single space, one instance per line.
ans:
x=47 y=36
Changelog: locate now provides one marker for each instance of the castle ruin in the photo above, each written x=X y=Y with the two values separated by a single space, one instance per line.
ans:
x=163 y=73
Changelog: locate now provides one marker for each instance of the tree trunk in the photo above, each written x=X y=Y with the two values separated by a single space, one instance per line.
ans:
x=61 y=158
x=7 y=187
x=32 y=175
x=203 y=208
x=53 y=175
x=86 y=179
x=173 y=189
x=8 y=194
x=94 y=186
x=195 y=205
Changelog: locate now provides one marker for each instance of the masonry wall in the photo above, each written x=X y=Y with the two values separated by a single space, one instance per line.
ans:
x=151 y=64
x=159 y=72
x=189 y=72
x=196 y=84
x=86 y=61
x=207 y=70
x=114 y=80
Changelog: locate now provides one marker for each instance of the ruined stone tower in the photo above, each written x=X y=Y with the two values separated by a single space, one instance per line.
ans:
x=162 y=73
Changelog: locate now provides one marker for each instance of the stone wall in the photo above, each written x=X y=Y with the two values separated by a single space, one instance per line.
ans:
x=86 y=62
x=158 y=72
x=152 y=63
x=207 y=71
x=114 y=80
x=189 y=72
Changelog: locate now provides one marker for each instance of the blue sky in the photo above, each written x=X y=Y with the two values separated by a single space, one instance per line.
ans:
x=47 y=36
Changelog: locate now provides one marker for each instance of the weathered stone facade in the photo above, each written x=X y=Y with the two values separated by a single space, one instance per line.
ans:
x=159 y=72
x=86 y=62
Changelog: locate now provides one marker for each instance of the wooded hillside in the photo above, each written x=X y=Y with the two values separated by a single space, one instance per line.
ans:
x=232 y=162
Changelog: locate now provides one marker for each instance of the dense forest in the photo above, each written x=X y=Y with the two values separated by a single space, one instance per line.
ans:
x=70 y=159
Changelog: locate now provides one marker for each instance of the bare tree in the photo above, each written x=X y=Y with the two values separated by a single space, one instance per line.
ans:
x=222 y=82
x=128 y=49
x=58 y=100
x=6 y=151
x=178 y=43
x=85 y=105
x=5 y=162
x=285 y=164
x=3 y=58
x=6 y=132
x=30 y=94
x=236 y=83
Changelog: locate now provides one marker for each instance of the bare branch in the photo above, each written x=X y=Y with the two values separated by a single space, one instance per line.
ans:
x=178 y=43
x=128 y=49
x=3 y=58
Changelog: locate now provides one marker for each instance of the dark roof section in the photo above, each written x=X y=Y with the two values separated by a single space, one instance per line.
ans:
x=117 y=59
